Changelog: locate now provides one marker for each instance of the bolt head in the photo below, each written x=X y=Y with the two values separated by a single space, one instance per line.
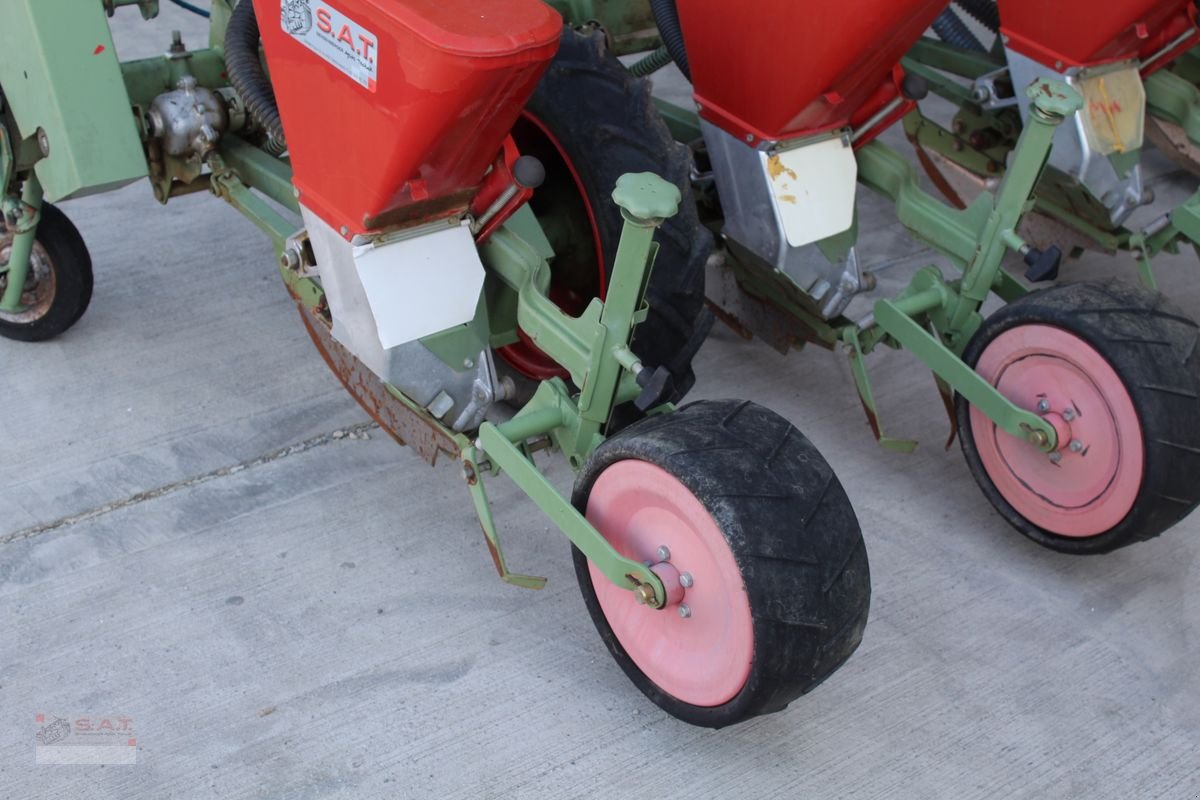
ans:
x=1076 y=445
x=684 y=610
x=1043 y=405
x=1069 y=414
x=664 y=553
x=685 y=580
x=1055 y=457
x=644 y=594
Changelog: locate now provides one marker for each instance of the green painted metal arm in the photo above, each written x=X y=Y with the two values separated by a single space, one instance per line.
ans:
x=1174 y=99
x=505 y=454
x=260 y=170
x=948 y=58
x=966 y=381
x=954 y=232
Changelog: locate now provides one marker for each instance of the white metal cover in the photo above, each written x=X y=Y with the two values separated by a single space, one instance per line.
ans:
x=813 y=188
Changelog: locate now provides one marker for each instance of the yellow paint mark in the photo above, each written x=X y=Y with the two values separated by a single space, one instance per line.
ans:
x=776 y=167
x=788 y=198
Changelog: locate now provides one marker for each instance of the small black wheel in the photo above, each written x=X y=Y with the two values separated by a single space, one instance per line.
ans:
x=58 y=286
x=758 y=547
x=1115 y=369
x=589 y=122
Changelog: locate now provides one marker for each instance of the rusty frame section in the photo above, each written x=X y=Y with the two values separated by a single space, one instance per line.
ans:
x=405 y=423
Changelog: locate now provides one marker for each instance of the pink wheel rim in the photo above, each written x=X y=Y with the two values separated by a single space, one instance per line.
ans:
x=1092 y=481
x=704 y=658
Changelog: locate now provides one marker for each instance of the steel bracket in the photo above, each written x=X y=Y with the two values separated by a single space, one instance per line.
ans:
x=894 y=318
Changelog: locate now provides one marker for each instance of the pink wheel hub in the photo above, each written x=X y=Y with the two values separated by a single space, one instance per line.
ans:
x=699 y=648
x=1091 y=482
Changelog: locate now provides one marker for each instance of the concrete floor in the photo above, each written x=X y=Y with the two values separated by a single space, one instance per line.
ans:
x=289 y=612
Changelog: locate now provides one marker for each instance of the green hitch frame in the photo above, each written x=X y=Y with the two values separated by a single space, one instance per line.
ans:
x=22 y=217
x=593 y=348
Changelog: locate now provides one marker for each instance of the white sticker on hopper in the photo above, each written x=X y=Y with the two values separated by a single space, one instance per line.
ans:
x=334 y=37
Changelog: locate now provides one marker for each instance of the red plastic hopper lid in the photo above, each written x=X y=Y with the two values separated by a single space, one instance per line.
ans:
x=481 y=28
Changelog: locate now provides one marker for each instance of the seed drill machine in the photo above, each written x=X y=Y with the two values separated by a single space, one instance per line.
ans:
x=382 y=147
x=1075 y=404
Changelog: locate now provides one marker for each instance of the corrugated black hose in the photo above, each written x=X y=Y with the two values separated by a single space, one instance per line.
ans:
x=667 y=20
x=986 y=11
x=246 y=72
x=953 y=31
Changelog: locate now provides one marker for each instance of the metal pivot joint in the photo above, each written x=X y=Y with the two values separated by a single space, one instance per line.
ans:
x=594 y=349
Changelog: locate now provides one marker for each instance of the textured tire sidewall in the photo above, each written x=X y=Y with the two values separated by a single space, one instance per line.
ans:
x=72 y=267
x=755 y=697
x=605 y=133
x=1066 y=307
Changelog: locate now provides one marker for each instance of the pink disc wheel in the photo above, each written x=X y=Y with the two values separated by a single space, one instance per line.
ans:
x=1110 y=367
x=756 y=545
x=698 y=649
x=1091 y=481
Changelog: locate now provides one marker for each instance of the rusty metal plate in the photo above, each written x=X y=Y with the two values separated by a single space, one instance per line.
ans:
x=407 y=425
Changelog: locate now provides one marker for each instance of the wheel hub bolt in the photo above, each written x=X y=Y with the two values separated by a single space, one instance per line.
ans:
x=644 y=594
x=1076 y=445
x=684 y=610
x=1043 y=405
x=1055 y=457
x=1068 y=414
x=664 y=553
x=685 y=580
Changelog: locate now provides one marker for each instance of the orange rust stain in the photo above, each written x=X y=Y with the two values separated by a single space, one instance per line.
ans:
x=776 y=167
x=788 y=198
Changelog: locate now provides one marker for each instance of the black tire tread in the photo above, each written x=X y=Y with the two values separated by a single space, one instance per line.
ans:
x=607 y=121
x=72 y=265
x=1150 y=343
x=793 y=533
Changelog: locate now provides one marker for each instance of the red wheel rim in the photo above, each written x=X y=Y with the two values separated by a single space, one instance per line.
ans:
x=703 y=659
x=1091 y=482
x=524 y=355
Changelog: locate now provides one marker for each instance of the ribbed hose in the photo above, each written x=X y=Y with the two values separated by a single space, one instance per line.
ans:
x=953 y=31
x=986 y=11
x=652 y=63
x=247 y=75
x=667 y=20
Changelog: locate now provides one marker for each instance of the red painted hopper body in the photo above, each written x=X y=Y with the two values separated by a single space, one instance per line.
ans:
x=393 y=111
x=1081 y=33
x=778 y=69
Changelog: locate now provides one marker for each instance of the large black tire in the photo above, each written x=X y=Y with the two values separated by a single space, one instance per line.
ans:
x=590 y=121
x=790 y=528
x=1152 y=347
x=59 y=285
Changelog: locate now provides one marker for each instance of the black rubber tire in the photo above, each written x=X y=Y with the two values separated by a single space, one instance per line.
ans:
x=606 y=122
x=72 y=267
x=792 y=532
x=1152 y=346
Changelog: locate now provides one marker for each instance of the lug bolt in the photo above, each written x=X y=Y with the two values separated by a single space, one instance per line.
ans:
x=1069 y=414
x=684 y=610
x=685 y=580
x=1076 y=445
x=664 y=553
x=1055 y=457
x=1043 y=405
x=644 y=594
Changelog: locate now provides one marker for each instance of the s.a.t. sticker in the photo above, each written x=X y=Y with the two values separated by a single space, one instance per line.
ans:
x=334 y=37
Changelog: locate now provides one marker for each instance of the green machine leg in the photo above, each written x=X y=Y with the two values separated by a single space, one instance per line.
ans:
x=22 y=217
x=979 y=236
x=593 y=348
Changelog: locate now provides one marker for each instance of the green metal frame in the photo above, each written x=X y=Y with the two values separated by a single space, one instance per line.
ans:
x=933 y=317
x=593 y=347
x=981 y=141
